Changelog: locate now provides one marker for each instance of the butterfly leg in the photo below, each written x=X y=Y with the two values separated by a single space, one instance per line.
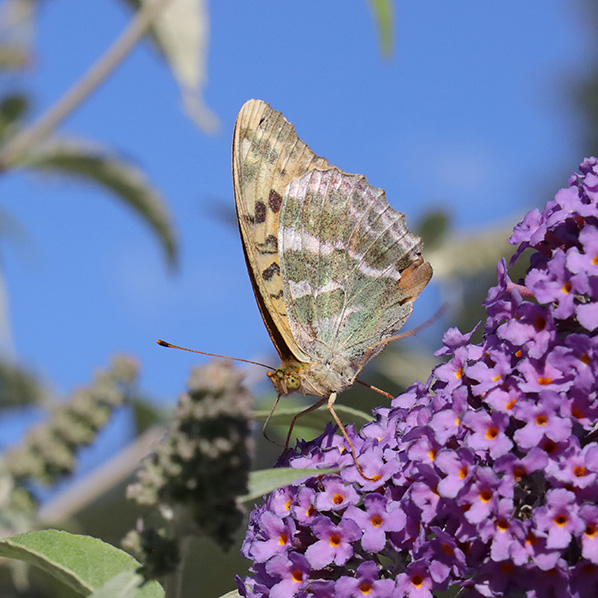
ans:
x=331 y=400
x=301 y=414
x=265 y=426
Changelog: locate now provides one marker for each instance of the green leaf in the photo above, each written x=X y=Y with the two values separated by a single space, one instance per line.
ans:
x=125 y=584
x=81 y=562
x=384 y=15
x=231 y=594
x=112 y=173
x=315 y=420
x=267 y=480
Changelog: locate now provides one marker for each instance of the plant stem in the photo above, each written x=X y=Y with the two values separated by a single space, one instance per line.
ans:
x=39 y=130
x=174 y=582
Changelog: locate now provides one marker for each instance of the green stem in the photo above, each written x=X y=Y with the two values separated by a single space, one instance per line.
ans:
x=173 y=584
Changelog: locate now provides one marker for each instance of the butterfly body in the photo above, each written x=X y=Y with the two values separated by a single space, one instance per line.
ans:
x=333 y=267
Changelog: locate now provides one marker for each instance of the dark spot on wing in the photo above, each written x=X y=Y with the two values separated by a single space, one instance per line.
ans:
x=260 y=212
x=274 y=201
x=269 y=246
x=277 y=295
x=270 y=271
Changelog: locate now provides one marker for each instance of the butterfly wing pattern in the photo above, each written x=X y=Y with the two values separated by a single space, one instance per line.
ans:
x=267 y=156
x=334 y=269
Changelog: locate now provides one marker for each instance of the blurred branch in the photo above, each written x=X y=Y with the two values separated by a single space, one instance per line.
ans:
x=31 y=136
x=102 y=479
x=106 y=169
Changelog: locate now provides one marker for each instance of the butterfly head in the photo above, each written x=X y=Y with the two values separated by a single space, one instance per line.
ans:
x=286 y=379
x=316 y=379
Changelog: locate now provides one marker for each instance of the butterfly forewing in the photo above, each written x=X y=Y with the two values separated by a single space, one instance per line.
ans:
x=267 y=155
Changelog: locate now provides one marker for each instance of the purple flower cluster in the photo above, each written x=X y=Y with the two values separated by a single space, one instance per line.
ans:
x=485 y=477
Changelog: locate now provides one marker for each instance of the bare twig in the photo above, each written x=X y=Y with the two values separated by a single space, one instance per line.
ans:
x=39 y=130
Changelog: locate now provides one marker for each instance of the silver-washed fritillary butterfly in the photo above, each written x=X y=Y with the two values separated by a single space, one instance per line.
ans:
x=334 y=269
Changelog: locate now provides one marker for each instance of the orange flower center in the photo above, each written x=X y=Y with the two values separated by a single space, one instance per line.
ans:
x=297 y=575
x=502 y=525
x=485 y=495
x=417 y=580
x=492 y=433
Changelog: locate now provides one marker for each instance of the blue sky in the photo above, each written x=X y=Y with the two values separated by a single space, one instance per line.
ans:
x=471 y=113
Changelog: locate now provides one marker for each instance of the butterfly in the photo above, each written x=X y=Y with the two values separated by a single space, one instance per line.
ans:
x=333 y=267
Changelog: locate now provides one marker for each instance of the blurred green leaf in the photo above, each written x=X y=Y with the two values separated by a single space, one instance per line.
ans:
x=317 y=419
x=181 y=35
x=18 y=386
x=433 y=228
x=463 y=254
x=18 y=19
x=267 y=480
x=109 y=171
x=147 y=414
x=13 y=108
x=81 y=562
x=231 y=594
x=384 y=15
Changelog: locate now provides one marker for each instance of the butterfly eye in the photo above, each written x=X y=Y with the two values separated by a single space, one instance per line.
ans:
x=293 y=382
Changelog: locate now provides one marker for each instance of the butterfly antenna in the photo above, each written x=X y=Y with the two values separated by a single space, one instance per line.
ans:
x=439 y=313
x=375 y=389
x=170 y=346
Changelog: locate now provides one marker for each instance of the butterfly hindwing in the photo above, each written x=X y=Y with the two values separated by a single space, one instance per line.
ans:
x=350 y=268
